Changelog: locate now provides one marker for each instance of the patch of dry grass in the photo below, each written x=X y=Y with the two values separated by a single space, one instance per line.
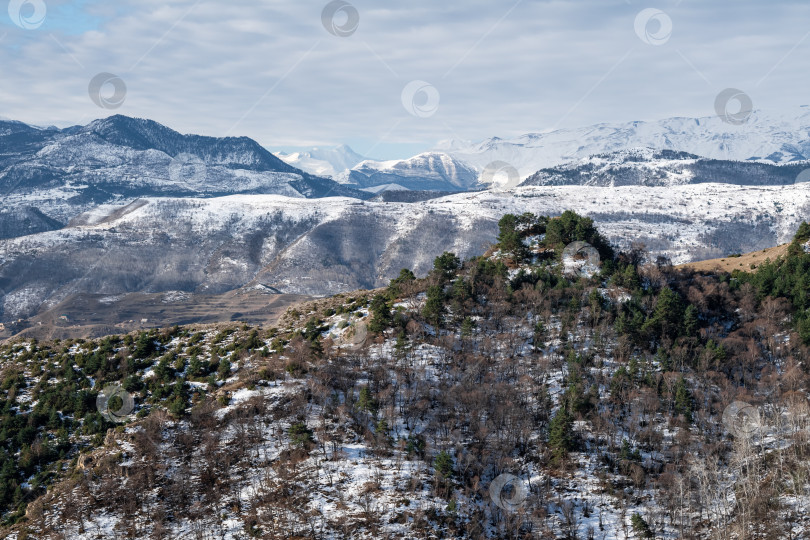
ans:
x=747 y=262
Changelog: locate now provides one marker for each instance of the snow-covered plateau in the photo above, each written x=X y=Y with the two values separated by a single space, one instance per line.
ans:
x=338 y=244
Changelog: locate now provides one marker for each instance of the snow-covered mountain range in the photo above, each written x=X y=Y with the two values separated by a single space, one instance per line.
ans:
x=424 y=172
x=648 y=167
x=429 y=171
x=330 y=245
x=762 y=138
x=49 y=176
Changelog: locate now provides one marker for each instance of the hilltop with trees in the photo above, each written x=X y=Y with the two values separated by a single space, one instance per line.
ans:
x=643 y=401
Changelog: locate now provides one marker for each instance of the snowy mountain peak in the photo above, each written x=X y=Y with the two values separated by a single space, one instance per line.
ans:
x=433 y=171
x=323 y=161
x=63 y=173
x=763 y=137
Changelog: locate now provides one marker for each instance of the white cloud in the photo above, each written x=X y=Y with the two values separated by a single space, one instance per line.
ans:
x=269 y=70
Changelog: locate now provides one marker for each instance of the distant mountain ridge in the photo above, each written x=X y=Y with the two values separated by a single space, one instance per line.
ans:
x=143 y=134
x=62 y=173
x=662 y=168
x=65 y=172
x=324 y=161
x=763 y=138
x=429 y=171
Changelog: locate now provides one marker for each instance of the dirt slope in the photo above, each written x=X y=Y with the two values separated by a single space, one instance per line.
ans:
x=746 y=262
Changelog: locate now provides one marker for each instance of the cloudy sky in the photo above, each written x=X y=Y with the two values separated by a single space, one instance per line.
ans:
x=394 y=78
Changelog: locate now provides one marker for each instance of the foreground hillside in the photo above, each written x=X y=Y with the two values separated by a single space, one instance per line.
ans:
x=517 y=395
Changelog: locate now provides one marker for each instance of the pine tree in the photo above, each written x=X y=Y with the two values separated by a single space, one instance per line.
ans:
x=509 y=238
x=443 y=464
x=434 y=305
x=575 y=400
x=640 y=526
x=690 y=321
x=666 y=316
x=628 y=453
x=802 y=234
x=401 y=344
x=395 y=285
x=683 y=399
x=366 y=401
x=195 y=367
x=380 y=314
x=224 y=369
x=561 y=434
x=300 y=434
x=467 y=327
x=539 y=338
x=445 y=265
x=461 y=290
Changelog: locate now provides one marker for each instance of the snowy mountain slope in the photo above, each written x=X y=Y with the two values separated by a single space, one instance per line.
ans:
x=385 y=187
x=424 y=172
x=118 y=159
x=649 y=167
x=762 y=137
x=323 y=161
x=325 y=246
x=428 y=171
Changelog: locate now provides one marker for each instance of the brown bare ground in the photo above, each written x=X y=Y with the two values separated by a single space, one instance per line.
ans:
x=748 y=262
